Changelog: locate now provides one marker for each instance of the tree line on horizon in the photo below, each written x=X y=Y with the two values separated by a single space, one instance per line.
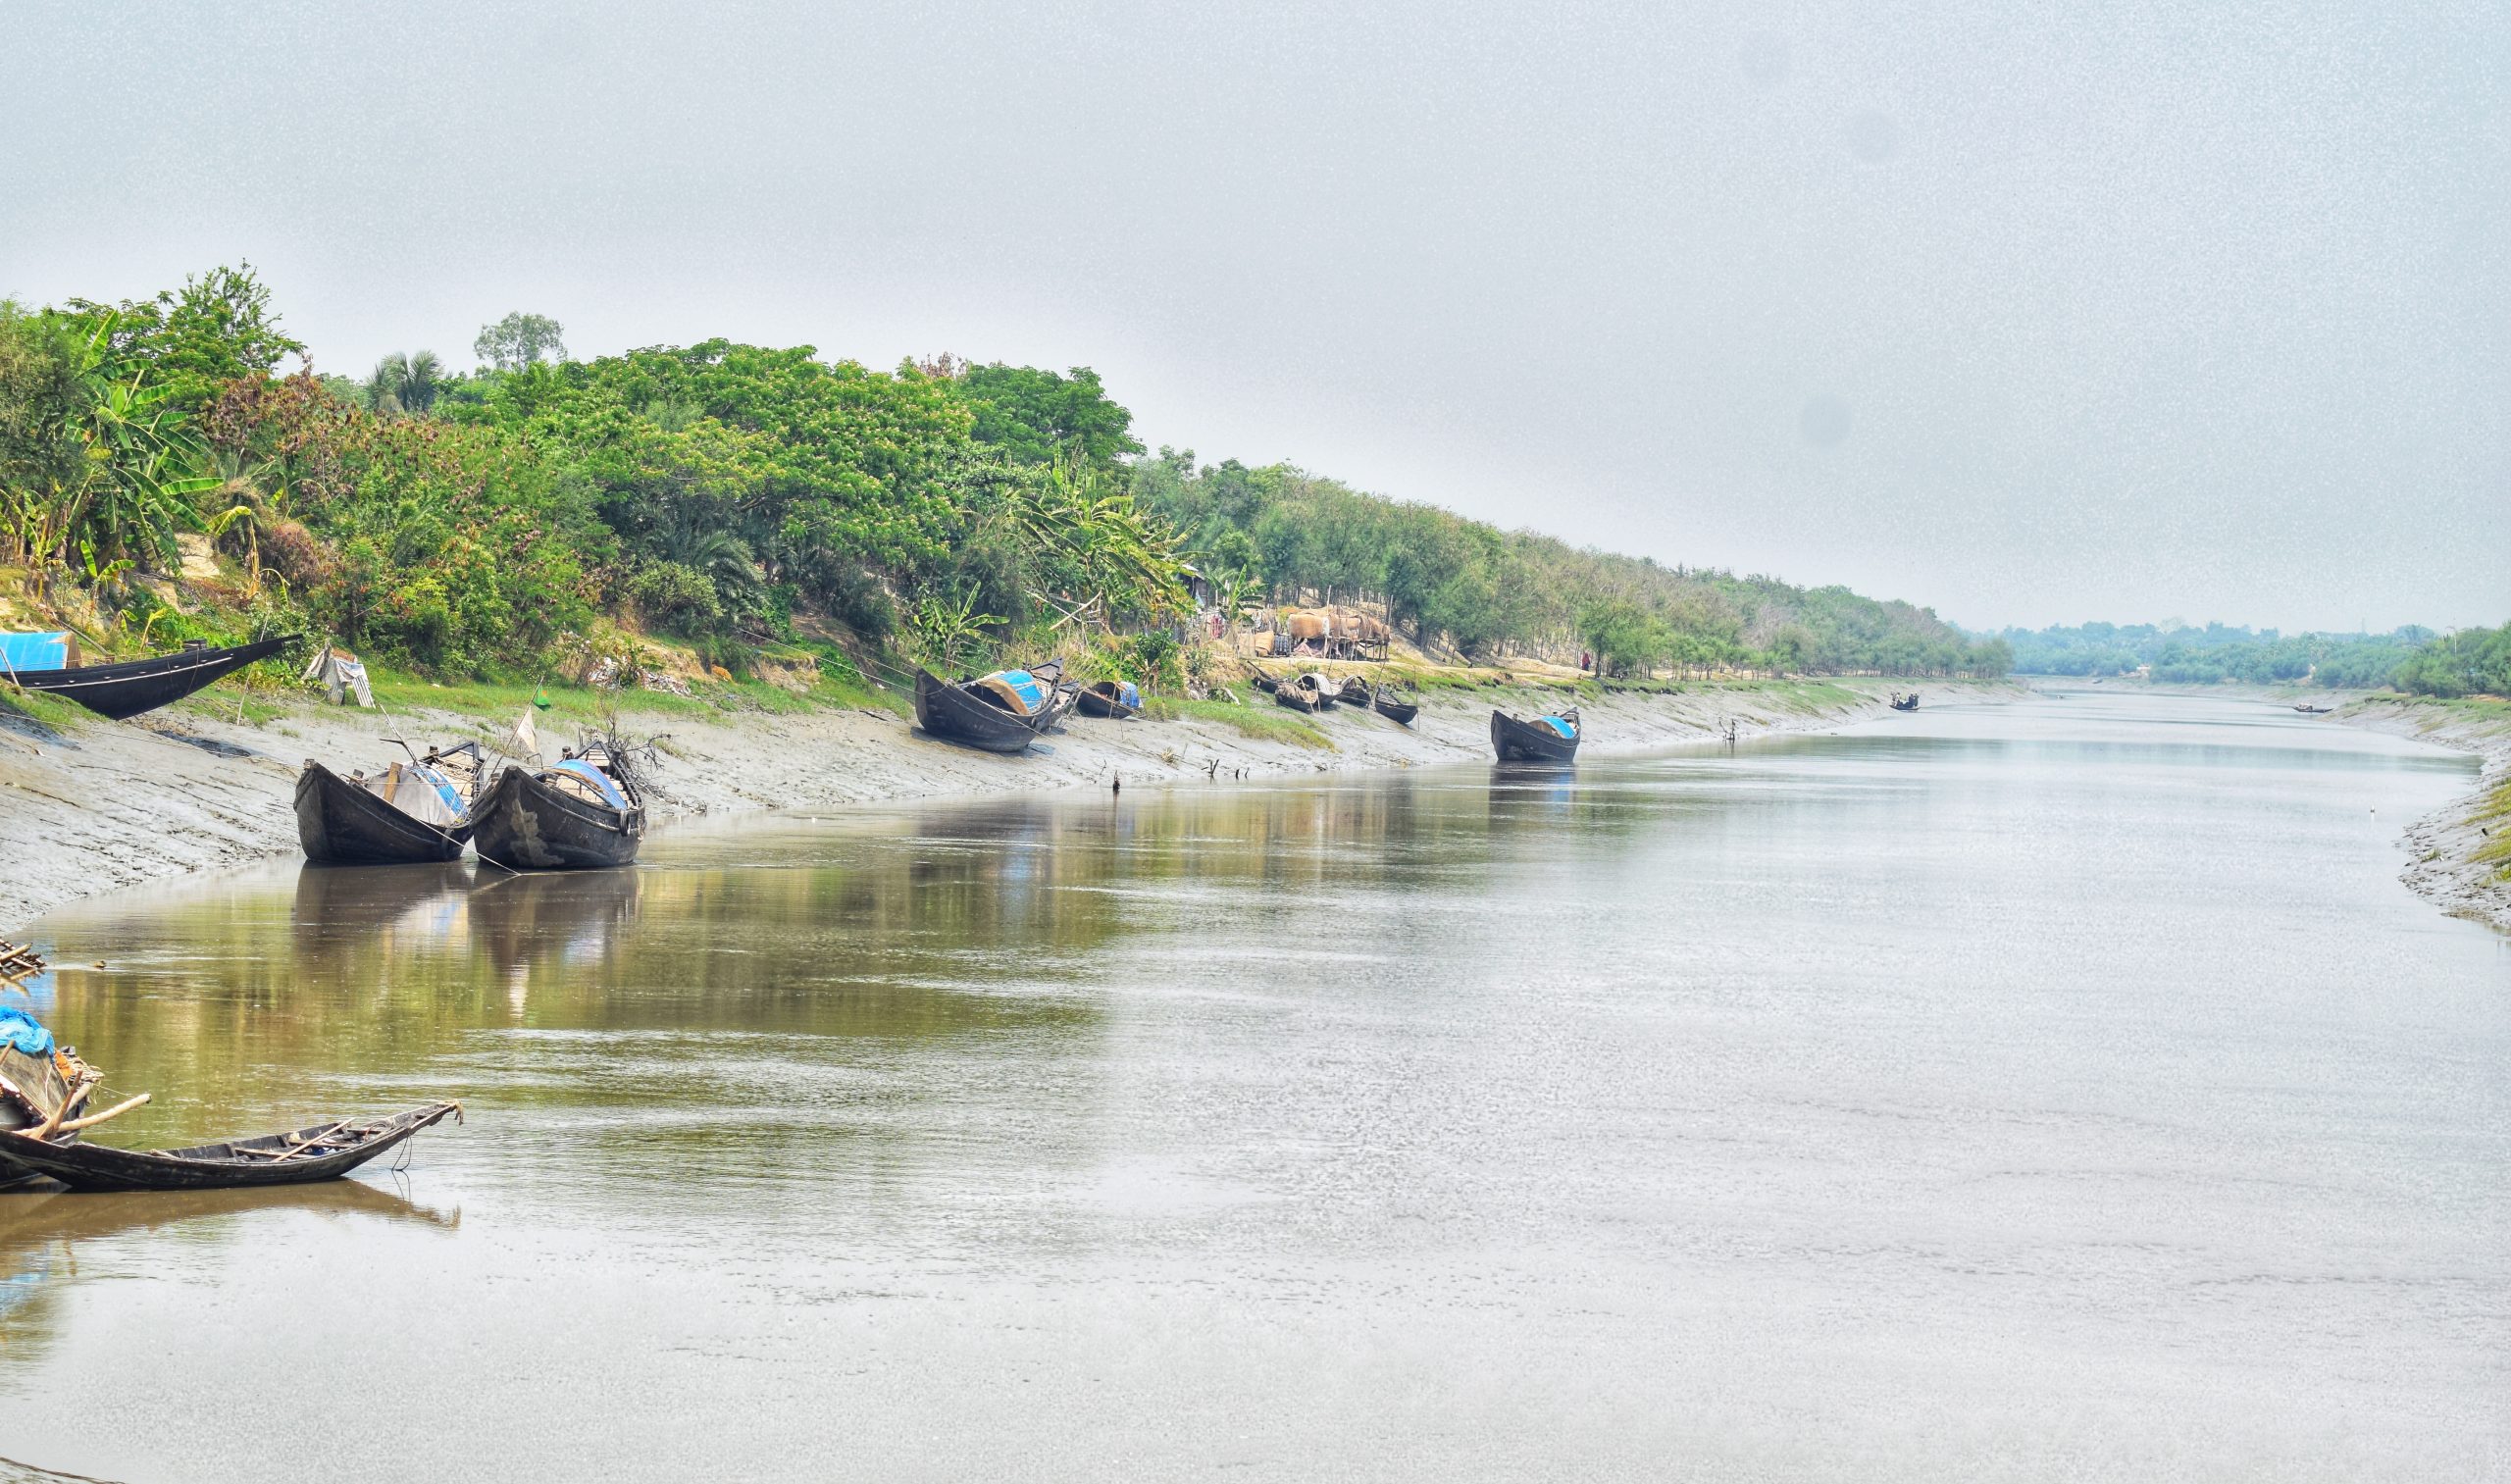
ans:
x=733 y=495
x=2411 y=658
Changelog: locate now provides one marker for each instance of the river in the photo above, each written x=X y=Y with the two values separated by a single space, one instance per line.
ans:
x=2061 y=1089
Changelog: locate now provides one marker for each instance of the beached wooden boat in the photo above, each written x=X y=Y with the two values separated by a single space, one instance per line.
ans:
x=1298 y=693
x=2309 y=710
x=318 y=1152
x=1266 y=684
x=404 y=815
x=128 y=688
x=1355 y=694
x=1114 y=699
x=1002 y=712
x=1323 y=686
x=582 y=814
x=1393 y=707
x=1908 y=703
x=1542 y=739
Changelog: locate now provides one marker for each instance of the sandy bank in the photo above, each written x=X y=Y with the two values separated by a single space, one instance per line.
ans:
x=2443 y=848
x=92 y=806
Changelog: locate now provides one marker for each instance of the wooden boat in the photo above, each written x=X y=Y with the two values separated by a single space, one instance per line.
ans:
x=1299 y=695
x=318 y=1152
x=1393 y=707
x=1114 y=699
x=582 y=814
x=1355 y=694
x=2309 y=710
x=400 y=816
x=1542 y=739
x=128 y=688
x=1266 y=684
x=1908 y=703
x=1323 y=686
x=995 y=713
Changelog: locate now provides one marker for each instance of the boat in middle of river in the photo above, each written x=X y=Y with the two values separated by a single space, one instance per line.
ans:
x=582 y=813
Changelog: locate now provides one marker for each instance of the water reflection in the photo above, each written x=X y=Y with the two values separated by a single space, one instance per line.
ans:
x=48 y=1241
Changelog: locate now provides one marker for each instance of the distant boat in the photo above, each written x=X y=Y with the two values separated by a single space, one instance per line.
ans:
x=126 y=690
x=1393 y=708
x=1300 y=693
x=404 y=815
x=1908 y=703
x=1002 y=712
x=1541 y=740
x=1114 y=699
x=2309 y=710
x=1355 y=694
x=582 y=814
x=1325 y=687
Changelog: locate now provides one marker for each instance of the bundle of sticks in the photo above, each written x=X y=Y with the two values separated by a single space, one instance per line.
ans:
x=18 y=965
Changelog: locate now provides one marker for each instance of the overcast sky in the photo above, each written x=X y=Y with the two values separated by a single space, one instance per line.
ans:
x=2032 y=314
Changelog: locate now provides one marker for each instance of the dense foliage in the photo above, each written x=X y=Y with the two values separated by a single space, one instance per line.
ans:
x=2414 y=659
x=737 y=494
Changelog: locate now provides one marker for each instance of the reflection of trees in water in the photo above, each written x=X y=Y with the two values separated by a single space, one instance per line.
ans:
x=43 y=1236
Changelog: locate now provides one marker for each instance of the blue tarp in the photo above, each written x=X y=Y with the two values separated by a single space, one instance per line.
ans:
x=33 y=651
x=1126 y=693
x=598 y=778
x=445 y=788
x=23 y=1032
x=1033 y=691
x=1558 y=725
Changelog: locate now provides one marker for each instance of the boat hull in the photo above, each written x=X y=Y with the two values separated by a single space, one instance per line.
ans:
x=339 y=824
x=949 y=712
x=1101 y=704
x=1521 y=742
x=525 y=825
x=1397 y=711
x=208 y=1166
x=129 y=689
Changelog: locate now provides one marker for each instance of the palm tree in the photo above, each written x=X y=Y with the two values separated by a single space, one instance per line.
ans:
x=384 y=388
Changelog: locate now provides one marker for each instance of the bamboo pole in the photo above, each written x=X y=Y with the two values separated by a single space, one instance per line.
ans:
x=115 y=1111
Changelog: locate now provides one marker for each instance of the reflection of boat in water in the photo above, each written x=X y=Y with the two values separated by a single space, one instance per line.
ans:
x=529 y=919
x=339 y=914
x=40 y=1235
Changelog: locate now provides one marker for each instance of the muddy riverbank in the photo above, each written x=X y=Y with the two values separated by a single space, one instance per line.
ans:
x=2452 y=855
x=88 y=806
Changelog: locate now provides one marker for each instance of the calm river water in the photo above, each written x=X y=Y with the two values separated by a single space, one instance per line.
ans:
x=2064 y=1089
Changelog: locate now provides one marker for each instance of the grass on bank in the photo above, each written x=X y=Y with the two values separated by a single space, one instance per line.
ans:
x=1263 y=722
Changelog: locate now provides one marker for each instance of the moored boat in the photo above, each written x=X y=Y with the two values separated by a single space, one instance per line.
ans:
x=407 y=814
x=316 y=1151
x=1908 y=703
x=1323 y=686
x=1550 y=739
x=1354 y=692
x=1002 y=712
x=2309 y=710
x=1114 y=699
x=128 y=688
x=582 y=814
x=1299 y=694
x=1394 y=707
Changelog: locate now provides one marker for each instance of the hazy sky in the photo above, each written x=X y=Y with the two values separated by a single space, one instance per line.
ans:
x=2029 y=313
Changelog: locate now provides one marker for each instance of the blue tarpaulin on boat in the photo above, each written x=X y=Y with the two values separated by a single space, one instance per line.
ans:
x=598 y=778
x=1126 y=693
x=1557 y=725
x=1033 y=691
x=23 y=1032
x=35 y=651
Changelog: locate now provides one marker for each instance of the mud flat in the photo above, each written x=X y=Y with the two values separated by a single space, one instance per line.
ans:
x=2456 y=856
x=88 y=806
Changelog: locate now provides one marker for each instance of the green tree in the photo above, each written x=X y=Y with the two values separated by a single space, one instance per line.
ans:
x=519 y=340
